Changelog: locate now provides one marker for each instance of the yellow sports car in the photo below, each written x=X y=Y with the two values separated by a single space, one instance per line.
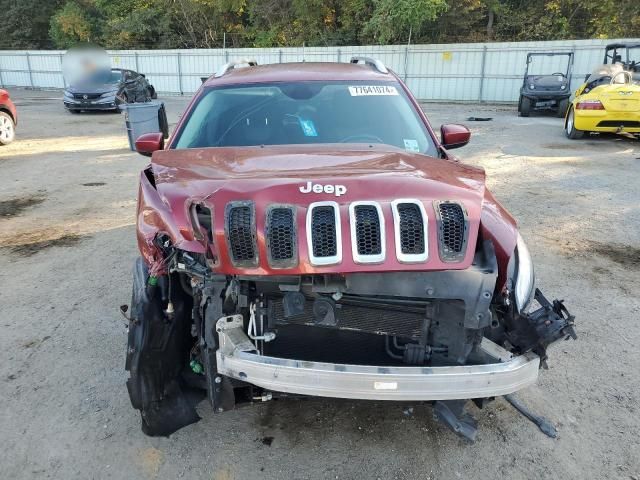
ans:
x=609 y=101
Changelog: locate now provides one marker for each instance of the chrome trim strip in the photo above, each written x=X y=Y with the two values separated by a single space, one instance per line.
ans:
x=408 y=257
x=337 y=258
x=376 y=258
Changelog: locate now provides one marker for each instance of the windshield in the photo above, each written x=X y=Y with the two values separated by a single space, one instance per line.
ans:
x=104 y=77
x=305 y=113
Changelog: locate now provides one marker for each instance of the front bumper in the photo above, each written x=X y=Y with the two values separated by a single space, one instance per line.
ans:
x=237 y=358
x=108 y=103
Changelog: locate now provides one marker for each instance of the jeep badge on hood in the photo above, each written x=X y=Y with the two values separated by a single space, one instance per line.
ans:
x=337 y=190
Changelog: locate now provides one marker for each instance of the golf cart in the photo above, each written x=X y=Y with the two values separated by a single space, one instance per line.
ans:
x=545 y=92
x=625 y=54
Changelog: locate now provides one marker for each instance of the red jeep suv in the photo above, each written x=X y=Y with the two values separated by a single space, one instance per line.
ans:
x=305 y=232
x=8 y=118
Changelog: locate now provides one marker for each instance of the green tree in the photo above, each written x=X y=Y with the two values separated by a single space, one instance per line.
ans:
x=25 y=23
x=75 y=23
x=394 y=20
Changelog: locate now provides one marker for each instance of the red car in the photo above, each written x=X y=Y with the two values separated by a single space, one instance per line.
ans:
x=305 y=232
x=8 y=118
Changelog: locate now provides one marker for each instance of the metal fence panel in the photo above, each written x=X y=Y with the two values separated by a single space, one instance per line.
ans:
x=490 y=72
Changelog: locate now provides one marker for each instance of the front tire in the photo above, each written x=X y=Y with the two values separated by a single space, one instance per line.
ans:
x=570 y=127
x=7 y=129
x=525 y=106
x=562 y=108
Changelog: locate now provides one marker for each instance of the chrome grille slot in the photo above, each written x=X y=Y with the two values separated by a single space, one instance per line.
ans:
x=240 y=226
x=452 y=231
x=324 y=236
x=367 y=232
x=410 y=225
x=282 y=248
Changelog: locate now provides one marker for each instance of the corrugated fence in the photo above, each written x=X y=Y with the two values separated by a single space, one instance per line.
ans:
x=471 y=72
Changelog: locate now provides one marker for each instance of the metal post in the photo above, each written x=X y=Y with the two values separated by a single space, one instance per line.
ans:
x=180 y=73
x=64 y=81
x=135 y=54
x=482 y=66
x=406 y=55
x=1 y=80
x=279 y=56
x=224 y=40
x=30 y=73
x=406 y=62
x=339 y=55
x=573 y=59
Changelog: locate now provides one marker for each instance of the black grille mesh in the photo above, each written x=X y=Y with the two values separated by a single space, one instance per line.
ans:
x=452 y=231
x=281 y=235
x=323 y=231
x=90 y=96
x=240 y=232
x=411 y=229
x=367 y=230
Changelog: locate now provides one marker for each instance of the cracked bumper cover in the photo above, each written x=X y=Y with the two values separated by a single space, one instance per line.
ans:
x=237 y=358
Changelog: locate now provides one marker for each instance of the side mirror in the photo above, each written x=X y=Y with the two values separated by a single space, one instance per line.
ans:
x=453 y=135
x=149 y=142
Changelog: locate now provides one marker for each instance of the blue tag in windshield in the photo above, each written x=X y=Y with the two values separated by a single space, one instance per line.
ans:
x=308 y=129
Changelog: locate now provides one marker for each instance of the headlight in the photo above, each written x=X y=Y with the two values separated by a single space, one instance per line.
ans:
x=68 y=94
x=524 y=276
x=109 y=94
x=562 y=87
x=532 y=87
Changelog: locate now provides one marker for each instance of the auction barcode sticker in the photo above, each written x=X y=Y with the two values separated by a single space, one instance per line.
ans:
x=385 y=385
x=365 y=90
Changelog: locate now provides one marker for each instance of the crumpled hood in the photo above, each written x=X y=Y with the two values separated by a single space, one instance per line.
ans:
x=277 y=173
x=301 y=175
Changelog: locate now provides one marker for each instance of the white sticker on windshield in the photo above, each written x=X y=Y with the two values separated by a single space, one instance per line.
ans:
x=411 y=145
x=365 y=90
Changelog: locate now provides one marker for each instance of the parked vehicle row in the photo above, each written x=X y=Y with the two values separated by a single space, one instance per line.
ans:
x=609 y=99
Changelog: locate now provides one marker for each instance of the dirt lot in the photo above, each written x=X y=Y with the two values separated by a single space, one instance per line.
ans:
x=67 y=203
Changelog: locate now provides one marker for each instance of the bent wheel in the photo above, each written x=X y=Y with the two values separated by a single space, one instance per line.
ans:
x=570 y=127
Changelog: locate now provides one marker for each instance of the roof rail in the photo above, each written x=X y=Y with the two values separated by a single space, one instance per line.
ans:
x=234 y=63
x=372 y=62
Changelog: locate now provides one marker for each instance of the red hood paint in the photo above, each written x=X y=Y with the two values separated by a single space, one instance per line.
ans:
x=274 y=175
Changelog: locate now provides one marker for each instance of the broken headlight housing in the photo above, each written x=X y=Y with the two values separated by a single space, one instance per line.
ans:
x=523 y=276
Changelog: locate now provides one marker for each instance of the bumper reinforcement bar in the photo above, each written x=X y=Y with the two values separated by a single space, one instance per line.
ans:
x=238 y=358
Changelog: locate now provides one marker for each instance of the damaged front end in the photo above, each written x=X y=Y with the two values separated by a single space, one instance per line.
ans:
x=216 y=307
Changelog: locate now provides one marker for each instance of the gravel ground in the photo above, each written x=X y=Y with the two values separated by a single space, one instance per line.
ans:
x=67 y=201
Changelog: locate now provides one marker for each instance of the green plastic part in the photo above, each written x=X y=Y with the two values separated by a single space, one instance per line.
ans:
x=153 y=281
x=196 y=366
